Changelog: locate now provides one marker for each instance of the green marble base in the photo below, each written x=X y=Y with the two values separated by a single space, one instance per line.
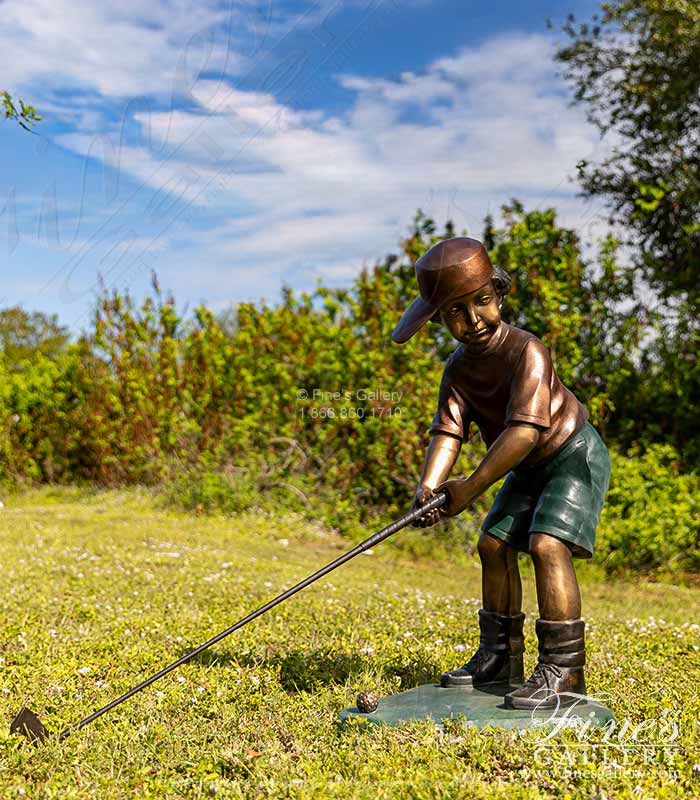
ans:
x=479 y=708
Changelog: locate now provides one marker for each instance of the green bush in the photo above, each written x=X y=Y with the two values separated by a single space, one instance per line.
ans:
x=237 y=412
x=651 y=520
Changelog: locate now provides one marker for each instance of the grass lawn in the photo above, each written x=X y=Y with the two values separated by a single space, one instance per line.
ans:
x=101 y=590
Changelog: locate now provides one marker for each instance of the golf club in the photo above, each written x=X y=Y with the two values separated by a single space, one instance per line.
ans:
x=28 y=724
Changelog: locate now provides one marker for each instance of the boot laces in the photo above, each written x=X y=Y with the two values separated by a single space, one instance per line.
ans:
x=542 y=672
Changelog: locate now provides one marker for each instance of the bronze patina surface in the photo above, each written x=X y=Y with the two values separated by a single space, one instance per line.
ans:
x=502 y=379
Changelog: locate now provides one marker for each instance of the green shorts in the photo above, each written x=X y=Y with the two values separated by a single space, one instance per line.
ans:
x=563 y=496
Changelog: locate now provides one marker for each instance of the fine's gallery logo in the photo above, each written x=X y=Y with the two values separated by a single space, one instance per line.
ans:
x=598 y=741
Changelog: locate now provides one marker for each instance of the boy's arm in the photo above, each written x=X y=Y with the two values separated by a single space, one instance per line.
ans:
x=511 y=447
x=440 y=457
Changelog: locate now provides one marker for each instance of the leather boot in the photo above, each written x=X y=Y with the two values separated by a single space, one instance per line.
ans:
x=499 y=658
x=558 y=678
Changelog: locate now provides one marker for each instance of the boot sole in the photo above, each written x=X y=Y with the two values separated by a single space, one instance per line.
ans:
x=451 y=684
x=448 y=682
x=527 y=704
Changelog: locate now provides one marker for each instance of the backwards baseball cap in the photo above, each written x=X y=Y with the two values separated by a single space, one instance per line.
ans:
x=450 y=269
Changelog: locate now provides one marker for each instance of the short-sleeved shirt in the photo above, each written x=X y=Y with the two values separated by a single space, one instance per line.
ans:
x=511 y=380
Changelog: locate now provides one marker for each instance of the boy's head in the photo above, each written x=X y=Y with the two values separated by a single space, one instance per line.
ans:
x=457 y=283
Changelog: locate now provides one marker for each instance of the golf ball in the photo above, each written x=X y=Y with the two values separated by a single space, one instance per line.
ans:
x=367 y=702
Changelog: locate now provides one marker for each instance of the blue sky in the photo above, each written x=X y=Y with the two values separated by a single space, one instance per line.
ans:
x=232 y=147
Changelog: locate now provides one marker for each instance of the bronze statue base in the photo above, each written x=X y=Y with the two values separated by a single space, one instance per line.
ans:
x=479 y=707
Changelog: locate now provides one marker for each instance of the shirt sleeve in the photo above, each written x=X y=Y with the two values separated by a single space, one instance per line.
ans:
x=452 y=415
x=530 y=389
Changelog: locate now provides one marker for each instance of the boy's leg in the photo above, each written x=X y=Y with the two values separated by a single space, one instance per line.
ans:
x=499 y=658
x=558 y=595
x=558 y=678
x=563 y=525
x=501 y=587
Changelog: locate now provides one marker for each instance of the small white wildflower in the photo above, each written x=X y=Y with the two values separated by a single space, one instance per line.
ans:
x=460 y=648
x=84 y=670
x=160 y=694
x=180 y=679
x=283 y=542
x=367 y=651
x=52 y=632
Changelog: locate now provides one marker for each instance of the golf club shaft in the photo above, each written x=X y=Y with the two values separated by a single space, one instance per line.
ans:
x=437 y=501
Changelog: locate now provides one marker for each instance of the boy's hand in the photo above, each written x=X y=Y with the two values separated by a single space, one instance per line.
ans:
x=460 y=495
x=422 y=496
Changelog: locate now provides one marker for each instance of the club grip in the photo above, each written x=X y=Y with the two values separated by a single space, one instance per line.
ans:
x=435 y=502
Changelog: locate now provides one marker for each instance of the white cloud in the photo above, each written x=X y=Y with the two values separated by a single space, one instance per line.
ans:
x=459 y=139
x=133 y=49
x=315 y=192
x=114 y=51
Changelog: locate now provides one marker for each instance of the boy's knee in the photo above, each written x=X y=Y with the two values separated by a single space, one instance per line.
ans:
x=490 y=548
x=544 y=547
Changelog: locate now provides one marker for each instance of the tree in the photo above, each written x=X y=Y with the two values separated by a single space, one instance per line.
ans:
x=26 y=335
x=25 y=116
x=636 y=68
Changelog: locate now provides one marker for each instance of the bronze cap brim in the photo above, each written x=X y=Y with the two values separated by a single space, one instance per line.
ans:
x=451 y=268
x=413 y=319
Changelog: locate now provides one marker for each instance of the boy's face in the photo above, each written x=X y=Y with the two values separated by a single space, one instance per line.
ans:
x=473 y=318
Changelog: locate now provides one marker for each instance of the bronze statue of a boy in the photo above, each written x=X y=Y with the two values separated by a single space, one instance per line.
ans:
x=502 y=379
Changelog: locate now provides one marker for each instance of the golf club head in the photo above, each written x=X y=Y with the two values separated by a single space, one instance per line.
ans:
x=28 y=724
